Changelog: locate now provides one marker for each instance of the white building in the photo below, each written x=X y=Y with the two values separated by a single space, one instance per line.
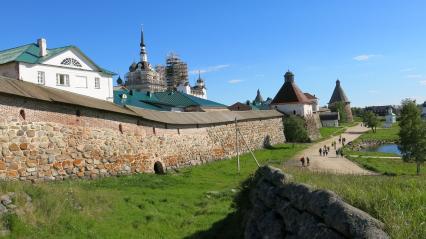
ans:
x=65 y=68
x=199 y=90
x=291 y=100
x=390 y=118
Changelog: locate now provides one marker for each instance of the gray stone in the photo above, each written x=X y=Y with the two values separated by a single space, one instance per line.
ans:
x=51 y=159
x=6 y=200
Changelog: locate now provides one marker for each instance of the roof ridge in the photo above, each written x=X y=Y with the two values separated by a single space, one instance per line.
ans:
x=26 y=45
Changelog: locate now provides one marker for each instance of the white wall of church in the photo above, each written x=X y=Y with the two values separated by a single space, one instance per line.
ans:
x=81 y=81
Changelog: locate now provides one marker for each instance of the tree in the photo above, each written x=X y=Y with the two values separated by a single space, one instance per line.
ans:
x=340 y=107
x=412 y=134
x=371 y=120
x=295 y=130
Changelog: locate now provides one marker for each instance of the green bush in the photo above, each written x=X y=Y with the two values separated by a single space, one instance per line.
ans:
x=295 y=130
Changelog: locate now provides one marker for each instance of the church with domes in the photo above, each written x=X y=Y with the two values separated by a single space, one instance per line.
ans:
x=142 y=76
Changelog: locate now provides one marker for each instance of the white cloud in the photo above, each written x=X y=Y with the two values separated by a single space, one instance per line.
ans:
x=414 y=76
x=364 y=57
x=422 y=82
x=209 y=69
x=407 y=69
x=235 y=81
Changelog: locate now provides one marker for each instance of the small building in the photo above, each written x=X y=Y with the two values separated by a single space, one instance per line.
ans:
x=240 y=107
x=329 y=119
x=390 y=118
x=290 y=100
x=381 y=110
x=65 y=68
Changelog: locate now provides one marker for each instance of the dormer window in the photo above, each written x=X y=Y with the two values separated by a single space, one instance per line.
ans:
x=70 y=62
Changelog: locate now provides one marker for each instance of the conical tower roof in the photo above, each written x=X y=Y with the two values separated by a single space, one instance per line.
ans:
x=338 y=94
x=290 y=92
x=259 y=98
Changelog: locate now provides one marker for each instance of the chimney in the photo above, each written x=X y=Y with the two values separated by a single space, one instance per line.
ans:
x=43 y=46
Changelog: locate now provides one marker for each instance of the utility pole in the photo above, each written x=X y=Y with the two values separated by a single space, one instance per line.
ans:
x=237 y=146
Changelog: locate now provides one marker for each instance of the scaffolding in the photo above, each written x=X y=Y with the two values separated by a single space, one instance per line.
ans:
x=176 y=72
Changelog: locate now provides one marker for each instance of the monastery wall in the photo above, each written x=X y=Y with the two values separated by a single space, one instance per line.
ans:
x=48 y=141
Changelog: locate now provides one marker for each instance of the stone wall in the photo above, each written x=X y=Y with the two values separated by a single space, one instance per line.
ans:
x=281 y=209
x=313 y=123
x=47 y=141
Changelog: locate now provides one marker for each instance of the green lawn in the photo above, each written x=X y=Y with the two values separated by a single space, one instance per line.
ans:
x=196 y=202
x=327 y=132
x=387 y=166
x=174 y=205
x=382 y=134
x=399 y=202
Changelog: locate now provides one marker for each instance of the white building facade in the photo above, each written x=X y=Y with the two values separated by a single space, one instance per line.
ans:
x=291 y=100
x=65 y=68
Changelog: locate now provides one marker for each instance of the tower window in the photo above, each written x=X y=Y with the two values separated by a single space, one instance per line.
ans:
x=71 y=62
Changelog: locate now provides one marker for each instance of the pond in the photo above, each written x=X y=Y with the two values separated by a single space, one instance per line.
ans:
x=384 y=148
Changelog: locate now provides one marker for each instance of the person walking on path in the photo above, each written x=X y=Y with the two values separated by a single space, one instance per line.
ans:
x=307 y=161
x=302 y=159
x=320 y=151
x=337 y=153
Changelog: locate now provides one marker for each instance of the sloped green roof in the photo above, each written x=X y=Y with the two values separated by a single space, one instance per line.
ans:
x=170 y=99
x=133 y=99
x=179 y=99
x=30 y=53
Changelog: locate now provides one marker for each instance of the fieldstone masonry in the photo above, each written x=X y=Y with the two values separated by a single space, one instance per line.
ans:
x=50 y=142
x=281 y=209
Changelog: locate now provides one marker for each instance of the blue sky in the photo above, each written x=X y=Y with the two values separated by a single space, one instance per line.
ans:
x=376 y=48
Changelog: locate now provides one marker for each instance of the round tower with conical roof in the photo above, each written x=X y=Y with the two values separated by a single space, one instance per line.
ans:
x=340 y=96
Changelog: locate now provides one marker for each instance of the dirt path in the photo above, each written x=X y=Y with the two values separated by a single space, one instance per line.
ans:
x=331 y=163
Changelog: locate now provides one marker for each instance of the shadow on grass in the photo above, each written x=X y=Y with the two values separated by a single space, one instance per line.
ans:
x=232 y=226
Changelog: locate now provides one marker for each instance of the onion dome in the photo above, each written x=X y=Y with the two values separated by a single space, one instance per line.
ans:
x=133 y=67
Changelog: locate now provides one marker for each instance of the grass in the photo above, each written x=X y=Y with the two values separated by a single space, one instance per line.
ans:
x=399 y=202
x=175 y=205
x=387 y=166
x=327 y=132
x=382 y=134
x=197 y=202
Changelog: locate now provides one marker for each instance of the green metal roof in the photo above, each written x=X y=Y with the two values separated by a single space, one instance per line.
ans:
x=133 y=99
x=161 y=99
x=30 y=53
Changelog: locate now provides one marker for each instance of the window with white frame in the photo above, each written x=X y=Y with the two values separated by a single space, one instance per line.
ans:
x=41 y=78
x=62 y=80
x=97 y=83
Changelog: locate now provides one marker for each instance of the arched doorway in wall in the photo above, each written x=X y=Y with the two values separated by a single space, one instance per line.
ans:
x=158 y=168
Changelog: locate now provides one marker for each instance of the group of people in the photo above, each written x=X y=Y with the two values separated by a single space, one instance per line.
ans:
x=303 y=159
x=325 y=150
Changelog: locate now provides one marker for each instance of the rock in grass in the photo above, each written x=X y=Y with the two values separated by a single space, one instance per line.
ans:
x=6 y=200
x=3 y=209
